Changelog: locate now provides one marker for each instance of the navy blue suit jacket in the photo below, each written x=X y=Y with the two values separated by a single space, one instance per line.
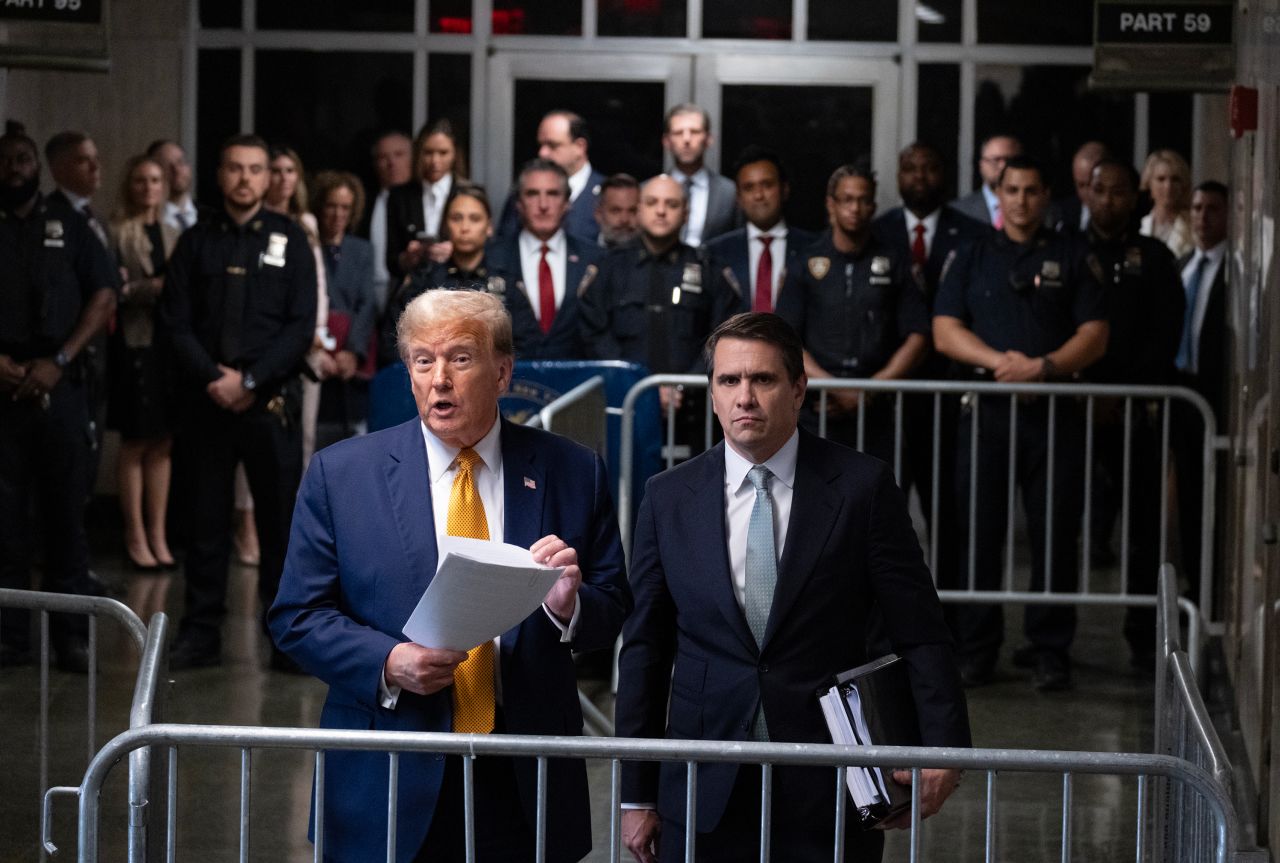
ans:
x=731 y=249
x=579 y=221
x=362 y=551
x=351 y=290
x=954 y=229
x=582 y=263
x=690 y=667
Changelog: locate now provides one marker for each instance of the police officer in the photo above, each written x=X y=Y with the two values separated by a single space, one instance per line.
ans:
x=656 y=302
x=239 y=307
x=1145 y=307
x=56 y=294
x=859 y=312
x=1021 y=304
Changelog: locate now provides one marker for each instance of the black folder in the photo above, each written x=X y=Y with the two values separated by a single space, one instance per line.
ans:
x=872 y=705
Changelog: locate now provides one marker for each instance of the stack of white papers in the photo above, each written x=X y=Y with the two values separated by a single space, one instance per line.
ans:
x=866 y=784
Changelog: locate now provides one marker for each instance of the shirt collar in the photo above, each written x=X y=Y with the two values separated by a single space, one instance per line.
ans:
x=440 y=456
x=531 y=245
x=78 y=202
x=782 y=464
x=440 y=188
x=700 y=178
x=778 y=231
x=578 y=181
x=930 y=221
x=1215 y=254
x=993 y=203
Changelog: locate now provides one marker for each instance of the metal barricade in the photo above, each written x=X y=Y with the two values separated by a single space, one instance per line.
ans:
x=1197 y=783
x=580 y=415
x=150 y=642
x=1087 y=397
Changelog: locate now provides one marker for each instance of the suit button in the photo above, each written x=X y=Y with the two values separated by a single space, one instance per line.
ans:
x=764 y=668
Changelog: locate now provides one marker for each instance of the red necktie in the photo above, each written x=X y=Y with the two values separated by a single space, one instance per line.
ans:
x=546 y=293
x=918 y=254
x=764 y=278
x=998 y=224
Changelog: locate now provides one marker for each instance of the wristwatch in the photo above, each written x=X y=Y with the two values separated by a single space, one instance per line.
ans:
x=248 y=382
x=61 y=360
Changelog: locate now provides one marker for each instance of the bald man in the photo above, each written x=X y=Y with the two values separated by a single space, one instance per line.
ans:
x=1071 y=212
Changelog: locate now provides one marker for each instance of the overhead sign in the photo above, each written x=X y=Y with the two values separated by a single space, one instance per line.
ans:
x=1163 y=45
x=66 y=11
x=54 y=34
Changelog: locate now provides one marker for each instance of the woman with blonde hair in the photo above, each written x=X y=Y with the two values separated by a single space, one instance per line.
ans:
x=139 y=397
x=1166 y=176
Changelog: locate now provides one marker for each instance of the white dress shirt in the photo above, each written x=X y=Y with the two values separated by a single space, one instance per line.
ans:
x=740 y=498
x=993 y=203
x=930 y=223
x=531 y=256
x=434 y=196
x=1213 y=261
x=187 y=209
x=777 y=254
x=578 y=181
x=442 y=468
x=378 y=239
x=699 y=192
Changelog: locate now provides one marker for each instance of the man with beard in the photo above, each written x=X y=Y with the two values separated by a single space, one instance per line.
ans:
x=239 y=309
x=616 y=211
x=57 y=294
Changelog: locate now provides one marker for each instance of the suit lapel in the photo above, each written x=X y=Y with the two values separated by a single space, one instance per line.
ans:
x=524 y=488
x=814 y=506
x=409 y=488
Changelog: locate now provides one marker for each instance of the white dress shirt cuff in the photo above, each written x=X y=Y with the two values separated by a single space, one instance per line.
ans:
x=388 y=695
x=626 y=806
x=567 y=631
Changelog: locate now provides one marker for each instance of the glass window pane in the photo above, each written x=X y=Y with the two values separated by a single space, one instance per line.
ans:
x=746 y=19
x=814 y=130
x=449 y=97
x=332 y=106
x=642 y=17
x=541 y=18
x=624 y=121
x=1035 y=22
x=938 y=20
x=938 y=115
x=217 y=116
x=857 y=21
x=1170 y=122
x=365 y=16
x=450 y=16
x=1052 y=111
x=220 y=15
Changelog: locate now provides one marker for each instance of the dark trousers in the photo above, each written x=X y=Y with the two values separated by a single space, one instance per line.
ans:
x=1187 y=441
x=1145 y=502
x=208 y=447
x=44 y=459
x=980 y=628
x=799 y=832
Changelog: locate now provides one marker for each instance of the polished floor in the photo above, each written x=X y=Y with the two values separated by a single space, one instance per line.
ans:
x=1109 y=710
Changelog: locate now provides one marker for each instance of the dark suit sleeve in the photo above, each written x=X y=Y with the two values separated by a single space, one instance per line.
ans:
x=297 y=330
x=598 y=340
x=950 y=299
x=397 y=233
x=1171 y=307
x=176 y=311
x=307 y=619
x=912 y=615
x=604 y=598
x=793 y=299
x=726 y=301
x=912 y=311
x=525 y=331
x=648 y=651
x=361 y=299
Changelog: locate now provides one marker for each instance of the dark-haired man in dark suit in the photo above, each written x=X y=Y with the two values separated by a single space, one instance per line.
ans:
x=563 y=138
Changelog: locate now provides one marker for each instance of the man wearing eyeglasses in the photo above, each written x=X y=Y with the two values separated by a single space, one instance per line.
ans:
x=982 y=204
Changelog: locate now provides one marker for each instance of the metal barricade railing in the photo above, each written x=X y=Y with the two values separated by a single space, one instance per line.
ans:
x=150 y=640
x=1014 y=396
x=580 y=415
x=1196 y=781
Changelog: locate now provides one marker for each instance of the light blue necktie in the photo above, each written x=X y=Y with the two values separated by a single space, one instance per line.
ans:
x=762 y=570
x=1192 y=288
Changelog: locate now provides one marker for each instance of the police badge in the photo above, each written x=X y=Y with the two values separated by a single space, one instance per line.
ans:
x=276 y=244
x=1051 y=270
x=53 y=234
x=497 y=285
x=691 y=281
x=879 y=265
x=819 y=267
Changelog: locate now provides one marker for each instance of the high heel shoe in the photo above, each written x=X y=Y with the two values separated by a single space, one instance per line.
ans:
x=132 y=564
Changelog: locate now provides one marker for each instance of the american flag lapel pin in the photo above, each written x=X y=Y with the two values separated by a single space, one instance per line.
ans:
x=529 y=483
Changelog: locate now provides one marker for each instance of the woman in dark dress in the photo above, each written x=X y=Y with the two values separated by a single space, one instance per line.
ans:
x=468 y=224
x=139 y=397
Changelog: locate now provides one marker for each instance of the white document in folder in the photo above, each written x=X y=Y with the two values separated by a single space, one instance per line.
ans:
x=480 y=590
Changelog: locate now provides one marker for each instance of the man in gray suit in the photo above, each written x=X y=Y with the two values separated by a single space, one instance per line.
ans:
x=713 y=209
x=982 y=204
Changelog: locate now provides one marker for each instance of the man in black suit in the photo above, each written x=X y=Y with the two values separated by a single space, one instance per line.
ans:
x=563 y=138
x=1202 y=360
x=730 y=640
x=1071 y=212
x=761 y=253
x=925 y=232
x=555 y=266
x=686 y=135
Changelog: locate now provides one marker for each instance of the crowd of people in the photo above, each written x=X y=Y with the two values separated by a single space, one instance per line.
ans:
x=229 y=344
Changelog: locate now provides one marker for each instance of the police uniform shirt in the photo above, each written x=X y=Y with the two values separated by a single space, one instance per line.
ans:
x=242 y=296
x=448 y=276
x=52 y=265
x=1145 y=307
x=853 y=311
x=1029 y=297
x=656 y=310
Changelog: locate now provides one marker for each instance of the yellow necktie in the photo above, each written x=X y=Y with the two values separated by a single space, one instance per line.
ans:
x=473 y=679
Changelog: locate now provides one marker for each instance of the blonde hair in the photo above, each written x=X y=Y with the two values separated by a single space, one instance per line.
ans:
x=126 y=209
x=476 y=313
x=1180 y=168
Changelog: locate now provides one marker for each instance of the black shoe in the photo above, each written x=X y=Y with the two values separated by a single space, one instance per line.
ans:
x=72 y=654
x=977 y=672
x=1053 y=672
x=190 y=651
x=280 y=661
x=1025 y=656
